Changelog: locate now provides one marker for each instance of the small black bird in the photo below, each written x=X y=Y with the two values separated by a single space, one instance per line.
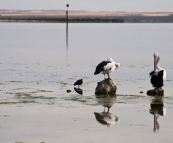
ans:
x=78 y=82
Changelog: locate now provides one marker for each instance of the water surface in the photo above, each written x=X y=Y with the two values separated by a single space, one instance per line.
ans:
x=37 y=67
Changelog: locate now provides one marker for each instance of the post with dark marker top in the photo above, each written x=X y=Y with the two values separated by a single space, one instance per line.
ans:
x=67 y=5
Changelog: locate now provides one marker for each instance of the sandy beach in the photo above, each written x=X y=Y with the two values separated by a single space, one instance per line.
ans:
x=82 y=13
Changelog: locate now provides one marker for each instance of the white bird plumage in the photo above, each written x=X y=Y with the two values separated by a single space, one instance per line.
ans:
x=106 y=67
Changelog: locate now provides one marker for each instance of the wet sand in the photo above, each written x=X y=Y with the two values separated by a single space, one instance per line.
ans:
x=76 y=122
x=41 y=110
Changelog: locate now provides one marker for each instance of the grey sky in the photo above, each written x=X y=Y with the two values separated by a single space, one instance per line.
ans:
x=91 y=5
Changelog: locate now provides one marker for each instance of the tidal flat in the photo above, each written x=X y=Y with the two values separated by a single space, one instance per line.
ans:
x=39 y=63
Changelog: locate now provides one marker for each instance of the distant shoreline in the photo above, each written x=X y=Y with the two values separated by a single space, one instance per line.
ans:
x=85 y=16
x=63 y=20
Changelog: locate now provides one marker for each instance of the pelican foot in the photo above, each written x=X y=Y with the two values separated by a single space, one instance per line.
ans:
x=157 y=88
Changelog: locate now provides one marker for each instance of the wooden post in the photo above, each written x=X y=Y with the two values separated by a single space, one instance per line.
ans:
x=67 y=16
x=67 y=19
x=67 y=5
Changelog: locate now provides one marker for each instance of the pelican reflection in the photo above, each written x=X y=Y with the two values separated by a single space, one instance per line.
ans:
x=105 y=117
x=157 y=109
x=106 y=100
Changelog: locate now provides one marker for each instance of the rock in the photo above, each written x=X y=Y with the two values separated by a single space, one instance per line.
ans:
x=141 y=92
x=155 y=92
x=68 y=90
x=107 y=86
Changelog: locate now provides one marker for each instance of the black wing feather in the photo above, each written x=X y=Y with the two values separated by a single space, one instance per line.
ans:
x=100 y=67
x=151 y=73
x=78 y=82
x=157 y=80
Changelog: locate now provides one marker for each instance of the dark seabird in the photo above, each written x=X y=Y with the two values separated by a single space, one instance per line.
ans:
x=158 y=76
x=106 y=67
x=78 y=82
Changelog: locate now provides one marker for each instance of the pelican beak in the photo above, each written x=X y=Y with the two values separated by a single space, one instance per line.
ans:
x=155 y=61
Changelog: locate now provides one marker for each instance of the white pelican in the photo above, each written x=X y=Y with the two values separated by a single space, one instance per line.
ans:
x=158 y=76
x=106 y=67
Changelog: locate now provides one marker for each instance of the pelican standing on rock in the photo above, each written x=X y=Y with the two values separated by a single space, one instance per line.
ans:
x=106 y=67
x=158 y=76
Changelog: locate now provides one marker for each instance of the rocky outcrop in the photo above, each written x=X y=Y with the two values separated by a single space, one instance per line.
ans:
x=155 y=92
x=107 y=86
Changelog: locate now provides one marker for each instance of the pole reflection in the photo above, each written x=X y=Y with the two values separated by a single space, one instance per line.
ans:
x=67 y=39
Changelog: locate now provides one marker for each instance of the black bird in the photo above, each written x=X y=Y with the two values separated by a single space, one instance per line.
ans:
x=78 y=82
x=158 y=76
x=106 y=67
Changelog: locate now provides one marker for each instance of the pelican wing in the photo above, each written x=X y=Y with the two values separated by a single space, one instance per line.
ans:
x=101 y=67
x=158 y=79
x=151 y=73
x=108 y=66
x=164 y=75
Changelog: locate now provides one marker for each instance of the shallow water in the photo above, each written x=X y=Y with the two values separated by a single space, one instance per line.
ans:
x=37 y=66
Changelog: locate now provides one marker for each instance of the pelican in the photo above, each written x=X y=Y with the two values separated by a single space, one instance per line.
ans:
x=106 y=67
x=158 y=76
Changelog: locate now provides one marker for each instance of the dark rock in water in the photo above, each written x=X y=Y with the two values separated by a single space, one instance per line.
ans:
x=107 y=86
x=155 y=92
x=68 y=90
x=141 y=92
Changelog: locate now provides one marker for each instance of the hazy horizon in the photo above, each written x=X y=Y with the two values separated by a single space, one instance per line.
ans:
x=86 y=5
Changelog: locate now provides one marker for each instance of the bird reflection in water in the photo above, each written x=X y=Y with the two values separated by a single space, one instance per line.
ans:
x=78 y=83
x=105 y=117
x=78 y=90
x=157 y=109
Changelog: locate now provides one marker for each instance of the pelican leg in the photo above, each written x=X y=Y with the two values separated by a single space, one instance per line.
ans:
x=108 y=76
x=108 y=109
